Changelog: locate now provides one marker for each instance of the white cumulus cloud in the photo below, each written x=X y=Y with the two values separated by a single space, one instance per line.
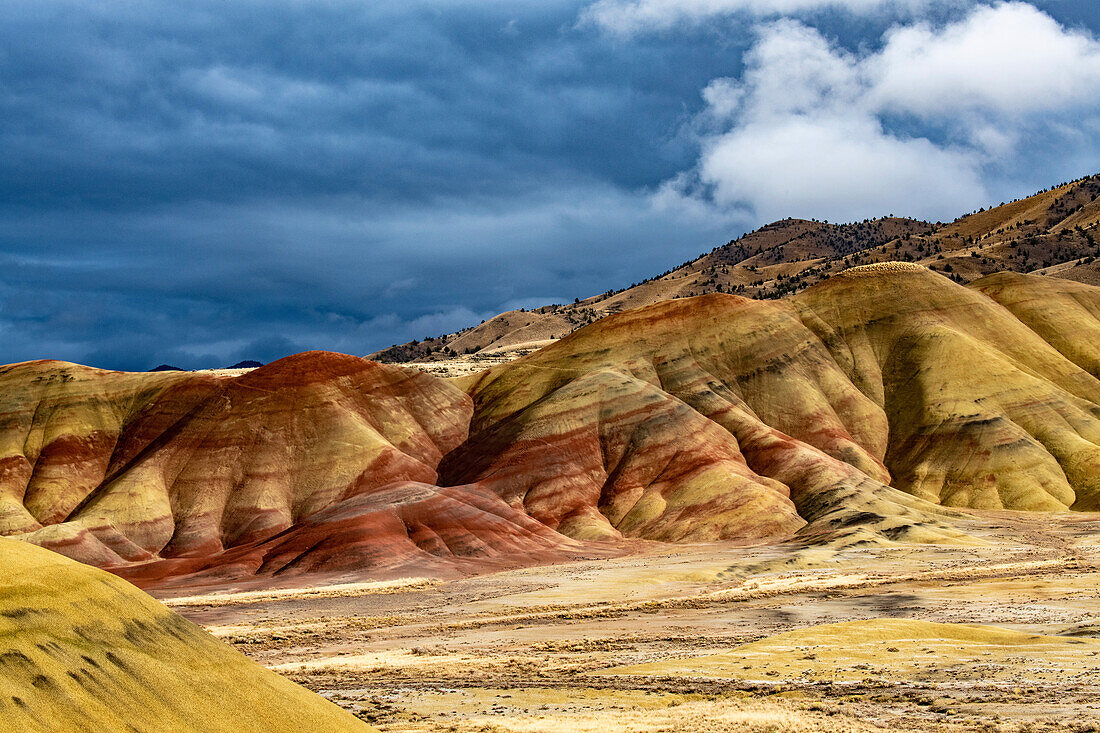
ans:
x=813 y=130
x=1010 y=57
x=836 y=167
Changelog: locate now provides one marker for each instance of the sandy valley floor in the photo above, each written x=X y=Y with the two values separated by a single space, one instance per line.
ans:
x=685 y=638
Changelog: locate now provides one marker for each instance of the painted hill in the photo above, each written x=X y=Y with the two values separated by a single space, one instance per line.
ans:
x=871 y=406
x=885 y=377
x=164 y=474
x=84 y=650
x=1053 y=232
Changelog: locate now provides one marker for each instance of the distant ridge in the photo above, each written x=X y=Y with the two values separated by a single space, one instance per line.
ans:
x=1050 y=233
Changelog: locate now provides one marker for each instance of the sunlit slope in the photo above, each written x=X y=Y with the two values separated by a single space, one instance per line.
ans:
x=982 y=410
x=1046 y=306
x=84 y=650
x=791 y=422
x=885 y=376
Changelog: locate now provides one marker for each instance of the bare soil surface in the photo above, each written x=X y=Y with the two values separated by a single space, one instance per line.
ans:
x=655 y=641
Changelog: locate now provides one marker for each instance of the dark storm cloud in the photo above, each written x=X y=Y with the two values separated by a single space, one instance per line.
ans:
x=238 y=179
x=206 y=182
x=121 y=104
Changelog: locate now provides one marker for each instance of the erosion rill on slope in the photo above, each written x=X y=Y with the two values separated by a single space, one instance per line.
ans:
x=877 y=405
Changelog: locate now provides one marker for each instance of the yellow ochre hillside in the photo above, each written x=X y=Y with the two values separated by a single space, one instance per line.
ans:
x=84 y=650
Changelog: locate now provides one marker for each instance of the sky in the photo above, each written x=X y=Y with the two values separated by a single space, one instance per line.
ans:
x=200 y=183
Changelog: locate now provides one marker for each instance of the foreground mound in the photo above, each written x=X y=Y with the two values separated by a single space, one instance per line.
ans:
x=84 y=651
x=890 y=647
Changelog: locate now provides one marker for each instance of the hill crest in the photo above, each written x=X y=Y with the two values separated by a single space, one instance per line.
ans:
x=1052 y=232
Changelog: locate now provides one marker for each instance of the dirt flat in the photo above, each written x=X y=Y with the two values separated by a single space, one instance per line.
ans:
x=1003 y=634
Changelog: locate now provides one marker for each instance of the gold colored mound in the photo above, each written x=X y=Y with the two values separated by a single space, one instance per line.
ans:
x=888 y=647
x=981 y=410
x=84 y=650
x=896 y=378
